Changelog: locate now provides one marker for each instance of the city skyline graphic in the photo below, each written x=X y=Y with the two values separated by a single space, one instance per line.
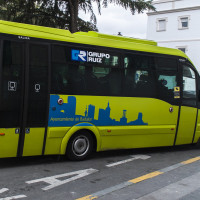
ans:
x=65 y=115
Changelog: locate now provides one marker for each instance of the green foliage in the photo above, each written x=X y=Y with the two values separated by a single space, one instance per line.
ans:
x=86 y=5
x=85 y=26
x=45 y=13
x=50 y=13
x=63 y=13
x=134 y=5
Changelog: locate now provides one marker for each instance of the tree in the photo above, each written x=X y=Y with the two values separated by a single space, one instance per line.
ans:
x=86 y=26
x=63 y=13
x=35 y=12
x=134 y=5
x=51 y=13
x=75 y=5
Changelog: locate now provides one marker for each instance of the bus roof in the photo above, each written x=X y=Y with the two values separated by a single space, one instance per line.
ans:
x=119 y=38
x=90 y=38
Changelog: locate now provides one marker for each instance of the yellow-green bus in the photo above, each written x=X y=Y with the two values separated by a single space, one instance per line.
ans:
x=71 y=94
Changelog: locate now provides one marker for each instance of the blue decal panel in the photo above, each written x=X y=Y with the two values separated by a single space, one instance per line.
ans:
x=65 y=115
x=78 y=55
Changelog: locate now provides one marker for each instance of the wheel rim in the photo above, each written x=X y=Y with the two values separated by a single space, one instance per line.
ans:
x=80 y=145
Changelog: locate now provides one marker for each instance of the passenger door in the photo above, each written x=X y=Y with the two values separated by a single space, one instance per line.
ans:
x=36 y=99
x=188 y=112
x=11 y=96
x=23 y=98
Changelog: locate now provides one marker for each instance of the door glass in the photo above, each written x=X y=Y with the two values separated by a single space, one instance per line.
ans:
x=167 y=81
x=189 y=86
x=38 y=86
x=11 y=85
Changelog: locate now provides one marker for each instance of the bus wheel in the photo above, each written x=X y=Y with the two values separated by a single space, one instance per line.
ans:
x=80 y=146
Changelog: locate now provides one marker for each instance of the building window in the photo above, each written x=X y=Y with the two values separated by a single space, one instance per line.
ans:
x=183 y=22
x=161 y=24
x=183 y=49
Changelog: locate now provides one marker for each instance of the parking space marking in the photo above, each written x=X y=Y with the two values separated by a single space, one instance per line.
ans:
x=135 y=157
x=11 y=198
x=139 y=179
x=176 y=190
x=3 y=190
x=14 y=197
x=54 y=181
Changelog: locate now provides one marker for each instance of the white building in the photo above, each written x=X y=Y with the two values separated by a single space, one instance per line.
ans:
x=176 y=24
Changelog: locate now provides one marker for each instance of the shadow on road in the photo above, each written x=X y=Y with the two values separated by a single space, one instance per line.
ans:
x=40 y=160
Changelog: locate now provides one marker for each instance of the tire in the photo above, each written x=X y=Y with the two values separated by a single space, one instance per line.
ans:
x=80 y=146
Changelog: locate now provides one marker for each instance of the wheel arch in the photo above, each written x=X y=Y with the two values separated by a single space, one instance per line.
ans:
x=77 y=128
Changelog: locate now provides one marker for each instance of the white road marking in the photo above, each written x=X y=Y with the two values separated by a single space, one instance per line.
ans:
x=14 y=197
x=3 y=190
x=176 y=190
x=135 y=157
x=54 y=182
x=11 y=198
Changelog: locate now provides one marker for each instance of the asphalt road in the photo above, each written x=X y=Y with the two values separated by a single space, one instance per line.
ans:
x=144 y=174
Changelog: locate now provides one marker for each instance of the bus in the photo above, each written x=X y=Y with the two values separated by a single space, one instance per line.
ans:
x=72 y=94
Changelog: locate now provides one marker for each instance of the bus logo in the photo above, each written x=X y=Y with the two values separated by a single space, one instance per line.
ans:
x=89 y=56
x=78 y=55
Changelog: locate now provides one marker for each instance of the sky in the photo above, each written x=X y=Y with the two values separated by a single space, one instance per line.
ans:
x=114 y=19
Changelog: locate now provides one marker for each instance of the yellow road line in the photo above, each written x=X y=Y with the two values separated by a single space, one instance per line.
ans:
x=191 y=160
x=89 y=197
x=146 y=176
x=137 y=180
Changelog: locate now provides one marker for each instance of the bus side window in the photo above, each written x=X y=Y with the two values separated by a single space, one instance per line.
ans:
x=129 y=78
x=104 y=78
x=66 y=75
x=115 y=82
x=75 y=77
x=166 y=64
x=59 y=71
x=145 y=84
x=103 y=81
x=139 y=80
